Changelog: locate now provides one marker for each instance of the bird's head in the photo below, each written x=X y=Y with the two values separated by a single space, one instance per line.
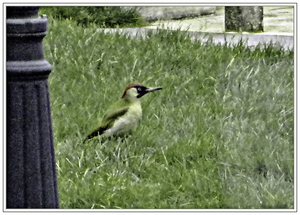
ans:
x=134 y=91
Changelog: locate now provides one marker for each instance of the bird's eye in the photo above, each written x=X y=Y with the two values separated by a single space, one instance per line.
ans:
x=139 y=89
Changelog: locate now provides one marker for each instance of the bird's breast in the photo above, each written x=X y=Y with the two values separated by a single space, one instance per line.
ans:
x=127 y=122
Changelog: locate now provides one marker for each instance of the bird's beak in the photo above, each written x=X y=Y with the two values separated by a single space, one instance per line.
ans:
x=152 y=89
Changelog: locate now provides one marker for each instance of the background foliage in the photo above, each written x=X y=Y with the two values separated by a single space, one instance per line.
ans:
x=104 y=17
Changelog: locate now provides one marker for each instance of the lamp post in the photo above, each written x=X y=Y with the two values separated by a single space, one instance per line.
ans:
x=30 y=163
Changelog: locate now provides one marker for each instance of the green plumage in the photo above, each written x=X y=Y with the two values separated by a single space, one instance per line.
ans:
x=123 y=116
x=113 y=113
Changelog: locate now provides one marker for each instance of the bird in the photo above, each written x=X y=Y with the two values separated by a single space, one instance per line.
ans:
x=123 y=116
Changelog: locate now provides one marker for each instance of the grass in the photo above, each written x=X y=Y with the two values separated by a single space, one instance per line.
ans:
x=219 y=134
x=102 y=16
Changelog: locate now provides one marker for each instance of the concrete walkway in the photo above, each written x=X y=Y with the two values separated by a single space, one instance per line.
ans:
x=278 y=27
x=277 y=20
x=251 y=40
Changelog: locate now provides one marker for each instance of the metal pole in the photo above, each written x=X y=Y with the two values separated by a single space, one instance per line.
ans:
x=30 y=172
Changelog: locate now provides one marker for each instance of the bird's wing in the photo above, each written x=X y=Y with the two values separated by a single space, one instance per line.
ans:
x=107 y=121
x=111 y=116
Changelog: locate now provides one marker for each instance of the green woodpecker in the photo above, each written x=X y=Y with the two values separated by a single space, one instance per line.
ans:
x=123 y=116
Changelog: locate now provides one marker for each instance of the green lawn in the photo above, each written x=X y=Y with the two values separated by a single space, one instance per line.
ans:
x=219 y=135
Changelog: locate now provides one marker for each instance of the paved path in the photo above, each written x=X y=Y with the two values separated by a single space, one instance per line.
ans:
x=251 y=40
x=278 y=25
x=276 y=20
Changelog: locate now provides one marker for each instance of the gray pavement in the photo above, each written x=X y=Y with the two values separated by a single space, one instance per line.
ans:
x=276 y=20
x=251 y=40
x=278 y=29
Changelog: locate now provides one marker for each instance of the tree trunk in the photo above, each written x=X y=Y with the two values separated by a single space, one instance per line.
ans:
x=240 y=19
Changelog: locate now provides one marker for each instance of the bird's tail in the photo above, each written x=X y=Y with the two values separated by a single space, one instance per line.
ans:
x=91 y=136
x=85 y=140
